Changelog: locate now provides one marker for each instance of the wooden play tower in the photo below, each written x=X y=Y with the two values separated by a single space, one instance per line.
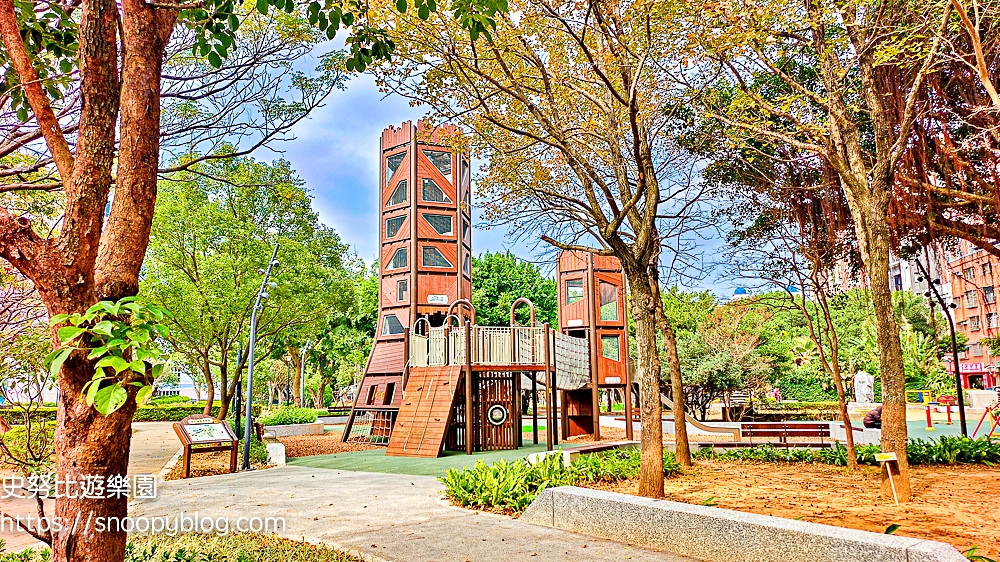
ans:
x=425 y=238
x=437 y=381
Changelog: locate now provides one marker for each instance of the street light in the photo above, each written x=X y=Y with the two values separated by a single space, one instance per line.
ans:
x=954 y=341
x=261 y=294
x=302 y=376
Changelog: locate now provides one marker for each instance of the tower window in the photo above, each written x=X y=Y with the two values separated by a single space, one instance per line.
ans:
x=468 y=264
x=465 y=231
x=393 y=225
x=401 y=290
x=611 y=348
x=442 y=224
x=574 y=290
x=392 y=164
x=398 y=259
x=399 y=194
x=391 y=326
x=441 y=160
x=433 y=193
x=609 y=301
x=432 y=257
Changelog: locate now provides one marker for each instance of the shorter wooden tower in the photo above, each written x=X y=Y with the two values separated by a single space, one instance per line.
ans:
x=592 y=307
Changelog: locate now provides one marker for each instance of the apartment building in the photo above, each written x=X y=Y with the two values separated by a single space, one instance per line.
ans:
x=971 y=279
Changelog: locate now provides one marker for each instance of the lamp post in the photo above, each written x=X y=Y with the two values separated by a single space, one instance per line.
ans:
x=932 y=289
x=239 y=391
x=261 y=295
x=302 y=376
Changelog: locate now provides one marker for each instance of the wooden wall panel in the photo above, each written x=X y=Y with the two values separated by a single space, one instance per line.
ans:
x=448 y=250
x=576 y=311
x=389 y=290
x=426 y=231
x=402 y=173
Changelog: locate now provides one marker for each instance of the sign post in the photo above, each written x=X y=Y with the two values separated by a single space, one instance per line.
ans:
x=884 y=459
x=204 y=434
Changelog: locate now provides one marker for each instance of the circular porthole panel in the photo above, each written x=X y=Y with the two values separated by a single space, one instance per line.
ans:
x=497 y=414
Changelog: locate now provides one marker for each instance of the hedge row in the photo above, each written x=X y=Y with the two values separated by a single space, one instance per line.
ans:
x=172 y=412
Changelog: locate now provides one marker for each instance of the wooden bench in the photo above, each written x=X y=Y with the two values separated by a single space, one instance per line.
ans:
x=783 y=430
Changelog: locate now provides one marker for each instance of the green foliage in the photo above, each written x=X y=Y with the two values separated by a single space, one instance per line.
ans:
x=31 y=447
x=120 y=338
x=164 y=400
x=258 y=450
x=512 y=486
x=170 y=412
x=499 y=279
x=244 y=547
x=945 y=450
x=806 y=385
x=288 y=415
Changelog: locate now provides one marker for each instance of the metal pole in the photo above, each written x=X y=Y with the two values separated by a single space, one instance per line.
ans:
x=250 y=359
x=954 y=347
x=548 y=399
x=239 y=392
x=302 y=376
x=469 y=426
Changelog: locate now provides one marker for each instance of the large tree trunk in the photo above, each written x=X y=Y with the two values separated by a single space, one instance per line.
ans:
x=644 y=308
x=89 y=444
x=206 y=369
x=875 y=239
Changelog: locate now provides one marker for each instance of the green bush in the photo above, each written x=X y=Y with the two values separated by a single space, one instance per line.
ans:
x=289 y=415
x=42 y=446
x=171 y=412
x=512 y=486
x=945 y=450
x=205 y=548
x=804 y=385
x=163 y=400
x=258 y=450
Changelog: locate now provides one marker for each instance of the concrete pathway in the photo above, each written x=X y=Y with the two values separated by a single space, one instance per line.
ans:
x=383 y=517
x=153 y=445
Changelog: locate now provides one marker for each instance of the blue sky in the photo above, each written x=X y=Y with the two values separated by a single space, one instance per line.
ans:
x=336 y=152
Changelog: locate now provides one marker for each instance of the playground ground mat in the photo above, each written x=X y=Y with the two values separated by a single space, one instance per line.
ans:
x=375 y=460
x=956 y=505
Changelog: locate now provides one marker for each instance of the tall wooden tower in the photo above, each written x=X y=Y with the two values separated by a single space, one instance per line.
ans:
x=592 y=307
x=425 y=237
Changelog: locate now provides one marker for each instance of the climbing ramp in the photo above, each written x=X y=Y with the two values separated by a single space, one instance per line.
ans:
x=423 y=420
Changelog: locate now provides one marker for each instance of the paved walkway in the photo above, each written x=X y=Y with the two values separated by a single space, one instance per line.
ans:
x=381 y=517
x=153 y=444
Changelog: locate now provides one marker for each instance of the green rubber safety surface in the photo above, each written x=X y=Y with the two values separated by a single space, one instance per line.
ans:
x=375 y=460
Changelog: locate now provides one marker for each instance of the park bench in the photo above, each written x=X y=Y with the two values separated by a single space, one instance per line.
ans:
x=784 y=430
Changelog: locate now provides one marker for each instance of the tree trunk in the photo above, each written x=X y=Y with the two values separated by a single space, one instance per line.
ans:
x=209 y=388
x=872 y=229
x=683 y=447
x=297 y=381
x=89 y=444
x=648 y=368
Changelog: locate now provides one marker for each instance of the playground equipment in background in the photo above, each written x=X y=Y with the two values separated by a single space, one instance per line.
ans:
x=435 y=380
x=993 y=414
x=919 y=397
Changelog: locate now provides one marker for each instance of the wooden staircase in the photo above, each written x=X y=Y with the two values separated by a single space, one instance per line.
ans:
x=422 y=422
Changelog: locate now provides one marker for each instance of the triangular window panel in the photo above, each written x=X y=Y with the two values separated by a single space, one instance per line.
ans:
x=392 y=164
x=441 y=161
x=432 y=257
x=440 y=223
x=399 y=194
x=398 y=259
x=433 y=193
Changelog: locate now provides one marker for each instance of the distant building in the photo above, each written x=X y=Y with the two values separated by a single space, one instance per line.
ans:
x=971 y=281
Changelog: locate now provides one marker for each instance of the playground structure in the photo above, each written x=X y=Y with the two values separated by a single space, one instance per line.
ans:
x=435 y=380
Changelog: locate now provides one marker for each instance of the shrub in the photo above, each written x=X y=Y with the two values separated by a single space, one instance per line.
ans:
x=512 y=486
x=945 y=450
x=171 y=412
x=258 y=451
x=289 y=415
x=198 y=548
x=42 y=446
x=163 y=400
